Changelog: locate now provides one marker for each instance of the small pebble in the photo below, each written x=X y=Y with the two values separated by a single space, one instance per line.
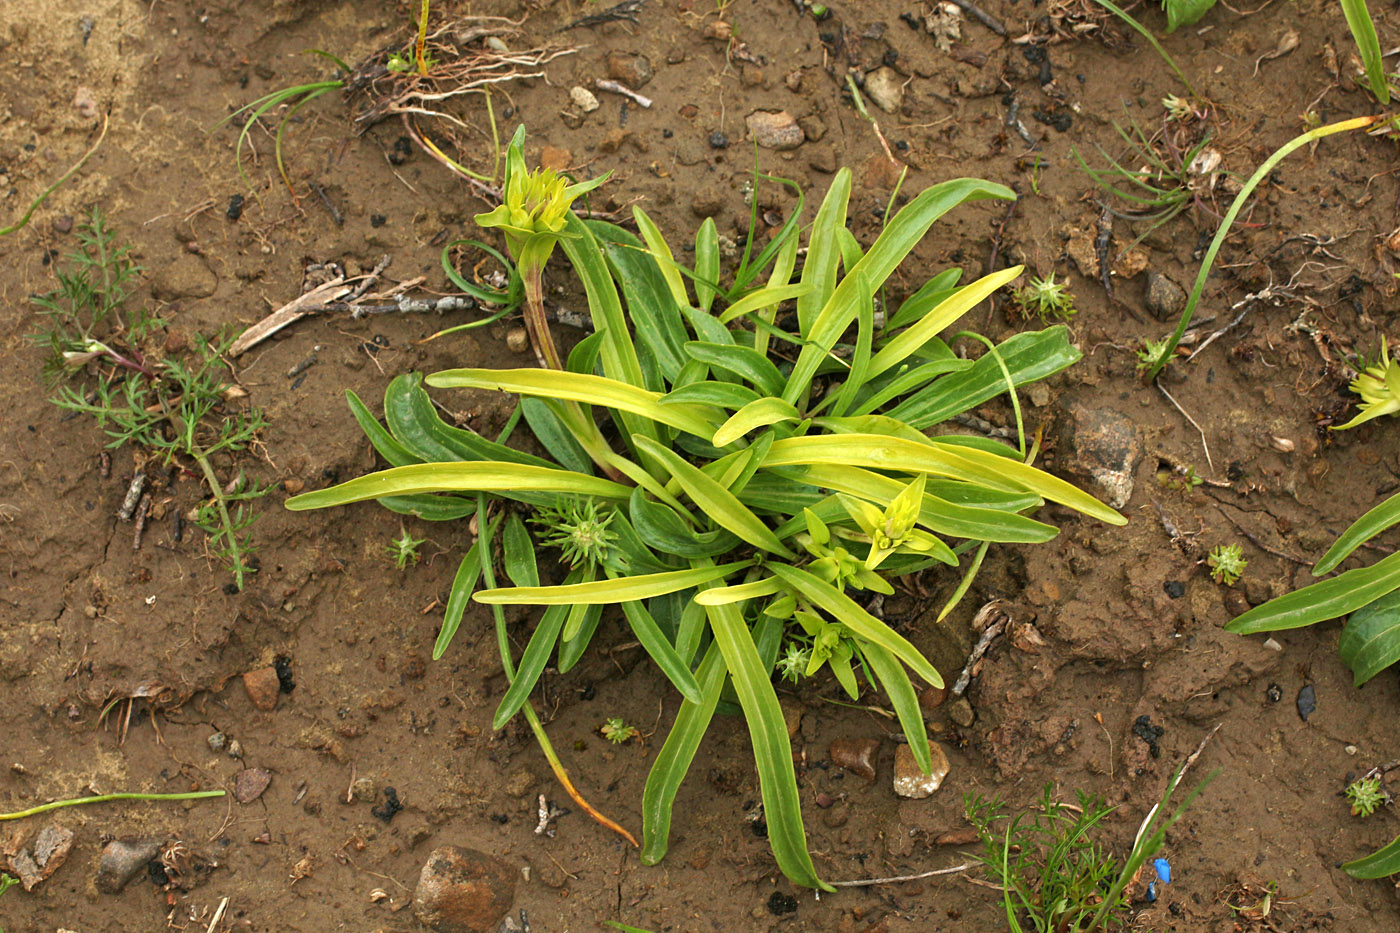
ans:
x=235 y=749
x=249 y=784
x=775 y=130
x=912 y=783
x=63 y=224
x=363 y=789
x=583 y=99
x=856 y=756
x=464 y=891
x=960 y=712
x=718 y=140
x=1351 y=749
x=217 y=742
x=263 y=686
x=518 y=340
x=1307 y=702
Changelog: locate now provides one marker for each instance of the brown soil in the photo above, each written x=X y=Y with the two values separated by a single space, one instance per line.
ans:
x=87 y=620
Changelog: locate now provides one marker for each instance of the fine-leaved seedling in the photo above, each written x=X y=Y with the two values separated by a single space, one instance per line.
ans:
x=175 y=407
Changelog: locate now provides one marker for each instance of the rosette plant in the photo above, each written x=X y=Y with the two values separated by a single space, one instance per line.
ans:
x=733 y=467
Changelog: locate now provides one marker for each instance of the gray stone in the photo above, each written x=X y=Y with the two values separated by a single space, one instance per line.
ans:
x=775 y=129
x=960 y=712
x=583 y=99
x=913 y=783
x=249 y=784
x=1165 y=298
x=51 y=847
x=1101 y=446
x=122 y=860
x=885 y=88
x=463 y=891
x=813 y=127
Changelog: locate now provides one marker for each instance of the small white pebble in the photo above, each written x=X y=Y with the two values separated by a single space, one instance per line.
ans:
x=583 y=98
x=1272 y=645
x=1351 y=749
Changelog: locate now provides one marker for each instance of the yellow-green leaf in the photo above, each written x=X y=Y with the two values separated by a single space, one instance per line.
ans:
x=756 y=414
x=471 y=476
x=598 y=592
x=897 y=349
x=717 y=502
x=586 y=388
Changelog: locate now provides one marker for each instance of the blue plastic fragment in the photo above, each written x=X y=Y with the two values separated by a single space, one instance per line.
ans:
x=1151 y=891
x=1164 y=870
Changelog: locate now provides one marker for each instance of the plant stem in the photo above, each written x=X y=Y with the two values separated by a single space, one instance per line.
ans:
x=532 y=274
x=43 y=195
x=422 y=37
x=213 y=482
x=103 y=798
x=1259 y=175
x=488 y=577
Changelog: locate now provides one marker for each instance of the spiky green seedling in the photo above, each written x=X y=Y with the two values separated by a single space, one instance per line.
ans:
x=1227 y=563
x=579 y=530
x=1365 y=796
x=793 y=664
x=404 y=548
x=1149 y=354
x=617 y=731
x=1046 y=299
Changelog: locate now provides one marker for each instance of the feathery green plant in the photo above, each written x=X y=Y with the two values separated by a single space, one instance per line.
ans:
x=753 y=480
x=173 y=407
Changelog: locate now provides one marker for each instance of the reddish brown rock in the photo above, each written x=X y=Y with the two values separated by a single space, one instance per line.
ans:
x=463 y=891
x=249 y=784
x=856 y=756
x=262 y=686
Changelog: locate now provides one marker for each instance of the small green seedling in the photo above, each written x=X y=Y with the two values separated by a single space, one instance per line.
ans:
x=1149 y=353
x=1046 y=299
x=1365 y=795
x=617 y=731
x=793 y=664
x=404 y=549
x=579 y=529
x=1227 y=563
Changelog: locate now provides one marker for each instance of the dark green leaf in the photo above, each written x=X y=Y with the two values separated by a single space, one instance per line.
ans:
x=1371 y=638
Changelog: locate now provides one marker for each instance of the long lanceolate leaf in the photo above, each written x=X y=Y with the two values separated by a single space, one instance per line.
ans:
x=771 y=748
x=716 y=501
x=581 y=387
x=930 y=325
x=1368 y=44
x=506 y=479
x=1380 y=864
x=1329 y=599
x=878 y=452
x=662 y=652
x=888 y=251
x=819 y=269
x=676 y=755
x=844 y=609
x=600 y=592
x=904 y=700
x=1362 y=530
